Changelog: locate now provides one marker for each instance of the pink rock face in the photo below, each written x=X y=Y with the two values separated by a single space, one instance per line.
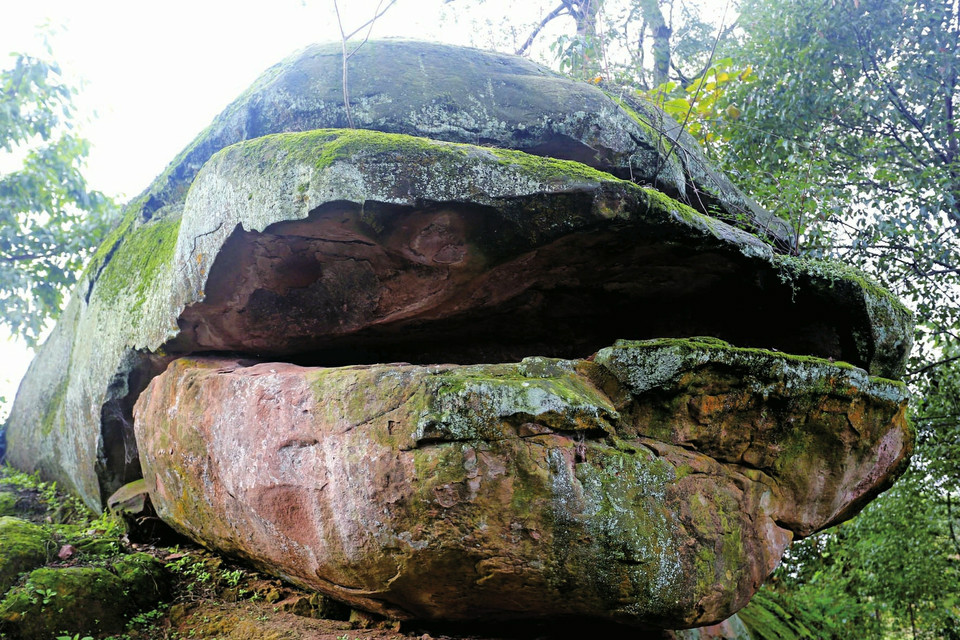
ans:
x=494 y=491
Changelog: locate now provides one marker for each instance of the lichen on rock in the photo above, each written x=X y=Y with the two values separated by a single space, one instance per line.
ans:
x=609 y=508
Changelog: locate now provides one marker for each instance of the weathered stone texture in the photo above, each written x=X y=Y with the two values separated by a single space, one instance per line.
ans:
x=542 y=488
x=655 y=483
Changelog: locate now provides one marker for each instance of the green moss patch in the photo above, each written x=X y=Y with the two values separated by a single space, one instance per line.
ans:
x=136 y=262
x=23 y=546
x=8 y=503
x=84 y=600
x=477 y=402
x=323 y=148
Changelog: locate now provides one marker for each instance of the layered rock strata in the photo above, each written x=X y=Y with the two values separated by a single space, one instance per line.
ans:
x=353 y=246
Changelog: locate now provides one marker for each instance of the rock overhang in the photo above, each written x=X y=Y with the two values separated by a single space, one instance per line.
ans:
x=358 y=247
x=339 y=241
x=505 y=239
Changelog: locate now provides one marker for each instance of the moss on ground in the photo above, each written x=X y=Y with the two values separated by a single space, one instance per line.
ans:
x=8 y=503
x=23 y=546
x=83 y=599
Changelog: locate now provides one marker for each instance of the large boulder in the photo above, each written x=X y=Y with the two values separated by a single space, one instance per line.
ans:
x=334 y=247
x=544 y=488
x=343 y=247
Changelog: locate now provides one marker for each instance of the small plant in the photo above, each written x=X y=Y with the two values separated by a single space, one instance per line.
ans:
x=146 y=618
x=232 y=578
x=76 y=636
x=47 y=594
x=109 y=525
x=61 y=508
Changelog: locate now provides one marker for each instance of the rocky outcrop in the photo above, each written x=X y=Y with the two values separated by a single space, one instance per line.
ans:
x=652 y=483
x=349 y=247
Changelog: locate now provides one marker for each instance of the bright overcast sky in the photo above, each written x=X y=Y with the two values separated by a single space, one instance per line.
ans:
x=152 y=75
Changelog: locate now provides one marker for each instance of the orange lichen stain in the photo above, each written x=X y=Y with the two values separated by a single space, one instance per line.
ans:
x=705 y=408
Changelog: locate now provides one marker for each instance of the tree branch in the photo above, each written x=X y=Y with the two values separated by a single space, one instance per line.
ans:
x=343 y=45
x=371 y=21
x=953 y=533
x=559 y=11
x=932 y=365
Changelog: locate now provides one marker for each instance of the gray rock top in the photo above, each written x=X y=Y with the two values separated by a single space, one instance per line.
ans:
x=458 y=94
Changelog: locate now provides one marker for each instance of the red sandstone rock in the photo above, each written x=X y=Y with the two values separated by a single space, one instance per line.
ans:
x=504 y=491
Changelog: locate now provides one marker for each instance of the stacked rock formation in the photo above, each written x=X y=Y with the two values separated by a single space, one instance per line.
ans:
x=231 y=343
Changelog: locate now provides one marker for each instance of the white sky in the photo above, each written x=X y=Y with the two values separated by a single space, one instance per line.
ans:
x=152 y=75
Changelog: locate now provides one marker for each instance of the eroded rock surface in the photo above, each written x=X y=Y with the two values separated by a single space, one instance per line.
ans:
x=544 y=488
x=458 y=94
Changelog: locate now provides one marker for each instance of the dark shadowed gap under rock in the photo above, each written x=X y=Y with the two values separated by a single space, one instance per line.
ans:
x=458 y=283
x=118 y=460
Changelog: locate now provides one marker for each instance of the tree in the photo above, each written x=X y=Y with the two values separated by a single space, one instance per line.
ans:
x=49 y=219
x=850 y=129
x=643 y=43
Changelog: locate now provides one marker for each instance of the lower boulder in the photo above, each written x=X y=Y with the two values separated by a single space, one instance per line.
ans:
x=546 y=488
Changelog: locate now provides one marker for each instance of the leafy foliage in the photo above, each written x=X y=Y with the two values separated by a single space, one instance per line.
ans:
x=49 y=218
x=851 y=131
x=890 y=570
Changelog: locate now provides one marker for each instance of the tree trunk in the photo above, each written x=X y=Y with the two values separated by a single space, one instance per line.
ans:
x=661 y=33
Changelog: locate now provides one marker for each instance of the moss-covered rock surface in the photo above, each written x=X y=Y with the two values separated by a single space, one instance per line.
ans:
x=163 y=588
x=393 y=247
x=65 y=572
x=23 y=546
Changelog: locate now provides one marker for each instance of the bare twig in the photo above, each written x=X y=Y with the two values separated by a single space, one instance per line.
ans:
x=370 y=22
x=696 y=96
x=933 y=365
x=344 y=37
x=343 y=44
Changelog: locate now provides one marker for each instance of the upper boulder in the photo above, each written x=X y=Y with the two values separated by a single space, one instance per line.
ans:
x=476 y=97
